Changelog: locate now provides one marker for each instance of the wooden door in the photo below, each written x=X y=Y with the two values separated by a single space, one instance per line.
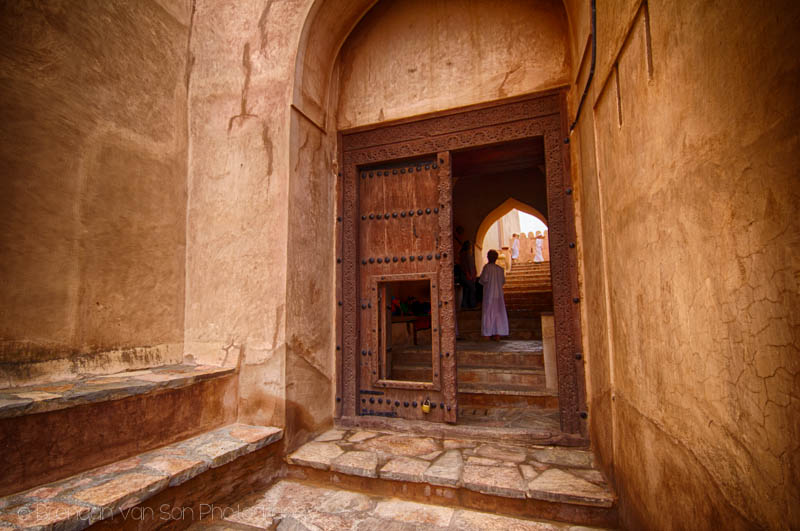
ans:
x=373 y=148
x=401 y=332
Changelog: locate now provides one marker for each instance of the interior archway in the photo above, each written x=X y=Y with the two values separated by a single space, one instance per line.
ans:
x=507 y=206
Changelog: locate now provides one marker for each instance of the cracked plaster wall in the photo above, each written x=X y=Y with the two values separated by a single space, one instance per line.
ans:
x=688 y=193
x=93 y=193
x=236 y=224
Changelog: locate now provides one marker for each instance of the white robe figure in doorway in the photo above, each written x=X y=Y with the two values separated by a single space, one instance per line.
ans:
x=514 y=246
x=493 y=309
x=538 y=254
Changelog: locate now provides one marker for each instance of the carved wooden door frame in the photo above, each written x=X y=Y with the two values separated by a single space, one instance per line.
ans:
x=541 y=115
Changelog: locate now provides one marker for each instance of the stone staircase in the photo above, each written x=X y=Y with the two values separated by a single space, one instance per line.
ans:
x=528 y=292
x=528 y=287
x=501 y=389
x=522 y=324
x=478 y=366
x=89 y=450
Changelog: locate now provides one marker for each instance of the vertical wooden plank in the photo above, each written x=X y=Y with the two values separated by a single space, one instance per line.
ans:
x=426 y=184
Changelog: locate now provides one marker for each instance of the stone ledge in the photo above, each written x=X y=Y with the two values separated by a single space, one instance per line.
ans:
x=79 y=501
x=18 y=401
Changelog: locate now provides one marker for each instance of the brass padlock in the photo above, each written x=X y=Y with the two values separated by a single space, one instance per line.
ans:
x=426 y=406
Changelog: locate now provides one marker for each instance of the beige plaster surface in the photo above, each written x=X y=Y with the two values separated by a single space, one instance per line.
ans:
x=93 y=192
x=238 y=184
x=311 y=280
x=411 y=57
x=690 y=213
x=261 y=218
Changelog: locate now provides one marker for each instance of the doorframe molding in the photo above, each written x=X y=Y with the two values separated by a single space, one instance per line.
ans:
x=535 y=115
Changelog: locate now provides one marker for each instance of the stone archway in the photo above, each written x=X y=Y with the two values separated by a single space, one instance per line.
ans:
x=314 y=124
x=504 y=208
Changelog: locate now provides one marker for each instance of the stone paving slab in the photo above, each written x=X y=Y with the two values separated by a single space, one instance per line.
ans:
x=290 y=505
x=41 y=398
x=77 y=502
x=555 y=474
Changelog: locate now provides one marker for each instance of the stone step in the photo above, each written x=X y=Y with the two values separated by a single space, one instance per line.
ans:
x=519 y=323
x=477 y=358
x=475 y=335
x=525 y=306
x=506 y=395
x=544 y=296
x=489 y=375
x=471 y=354
x=470 y=315
x=545 y=293
x=195 y=470
x=285 y=506
x=532 y=377
x=103 y=419
x=529 y=305
x=513 y=480
x=524 y=282
x=540 y=285
x=513 y=321
x=531 y=265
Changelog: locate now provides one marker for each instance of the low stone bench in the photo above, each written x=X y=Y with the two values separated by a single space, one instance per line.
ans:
x=54 y=430
x=114 y=492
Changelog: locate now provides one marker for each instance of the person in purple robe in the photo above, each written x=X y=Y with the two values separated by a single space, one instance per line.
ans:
x=495 y=318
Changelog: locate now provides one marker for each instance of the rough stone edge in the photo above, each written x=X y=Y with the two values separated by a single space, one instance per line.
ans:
x=16 y=501
x=135 y=387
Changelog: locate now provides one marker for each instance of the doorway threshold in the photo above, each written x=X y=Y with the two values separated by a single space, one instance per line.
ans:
x=468 y=430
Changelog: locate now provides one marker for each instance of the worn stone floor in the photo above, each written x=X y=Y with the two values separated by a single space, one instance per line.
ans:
x=294 y=506
x=564 y=475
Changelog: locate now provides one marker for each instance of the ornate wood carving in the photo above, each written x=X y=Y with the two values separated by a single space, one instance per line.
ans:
x=447 y=316
x=453 y=123
x=437 y=136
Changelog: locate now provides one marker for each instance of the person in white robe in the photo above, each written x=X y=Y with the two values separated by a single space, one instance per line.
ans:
x=539 y=254
x=494 y=317
x=514 y=246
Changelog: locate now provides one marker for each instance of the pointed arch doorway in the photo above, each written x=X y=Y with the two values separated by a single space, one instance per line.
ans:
x=495 y=216
x=364 y=316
